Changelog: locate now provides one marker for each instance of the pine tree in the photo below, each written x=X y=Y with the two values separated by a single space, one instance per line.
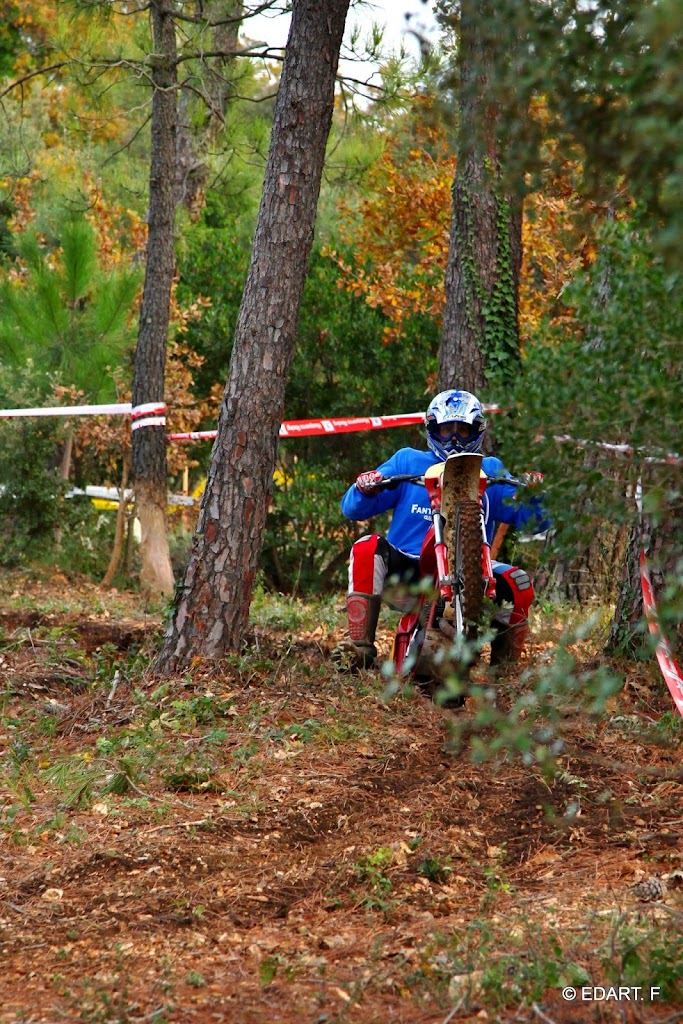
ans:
x=62 y=312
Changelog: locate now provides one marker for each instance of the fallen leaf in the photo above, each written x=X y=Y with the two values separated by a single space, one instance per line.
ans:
x=52 y=895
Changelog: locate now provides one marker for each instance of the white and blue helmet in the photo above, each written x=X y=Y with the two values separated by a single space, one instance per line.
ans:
x=463 y=413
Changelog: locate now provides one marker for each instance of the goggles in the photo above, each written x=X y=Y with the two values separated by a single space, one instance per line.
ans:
x=447 y=431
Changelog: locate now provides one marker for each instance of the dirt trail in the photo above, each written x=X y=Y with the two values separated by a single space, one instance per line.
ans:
x=283 y=845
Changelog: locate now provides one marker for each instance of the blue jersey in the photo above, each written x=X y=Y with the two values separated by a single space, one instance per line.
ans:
x=501 y=506
x=410 y=502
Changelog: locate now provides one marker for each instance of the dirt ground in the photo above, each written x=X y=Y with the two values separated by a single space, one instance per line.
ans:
x=276 y=842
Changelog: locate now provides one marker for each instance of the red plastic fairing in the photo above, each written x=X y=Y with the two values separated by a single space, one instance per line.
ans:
x=404 y=631
x=427 y=555
x=433 y=485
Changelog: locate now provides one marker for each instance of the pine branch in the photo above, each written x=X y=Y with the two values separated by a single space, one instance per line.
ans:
x=33 y=74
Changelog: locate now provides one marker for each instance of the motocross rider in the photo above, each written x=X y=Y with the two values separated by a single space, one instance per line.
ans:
x=455 y=422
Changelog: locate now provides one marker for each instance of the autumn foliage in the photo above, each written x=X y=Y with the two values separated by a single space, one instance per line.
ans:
x=399 y=235
x=402 y=224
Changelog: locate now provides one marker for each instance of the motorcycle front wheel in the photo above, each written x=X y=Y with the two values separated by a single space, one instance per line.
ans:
x=466 y=569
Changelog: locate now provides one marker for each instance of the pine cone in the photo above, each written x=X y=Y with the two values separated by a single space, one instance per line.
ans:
x=652 y=890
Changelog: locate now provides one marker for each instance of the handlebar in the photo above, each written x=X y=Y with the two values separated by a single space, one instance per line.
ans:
x=387 y=482
x=515 y=481
x=418 y=478
x=529 y=481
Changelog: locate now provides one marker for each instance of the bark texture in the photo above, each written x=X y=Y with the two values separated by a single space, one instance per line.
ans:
x=480 y=326
x=628 y=614
x=212 y=609
x=149 y=443
x=660 y=538
x=591 y=575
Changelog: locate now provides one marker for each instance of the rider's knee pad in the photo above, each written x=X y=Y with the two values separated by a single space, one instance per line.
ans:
x=514 y=585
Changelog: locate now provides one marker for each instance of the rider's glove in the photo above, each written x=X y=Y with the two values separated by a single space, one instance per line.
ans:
x=367 y=483
x=532 y=480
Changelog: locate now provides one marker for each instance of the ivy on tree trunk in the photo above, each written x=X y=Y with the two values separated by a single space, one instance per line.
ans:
x=480 y=326
x=212 y=608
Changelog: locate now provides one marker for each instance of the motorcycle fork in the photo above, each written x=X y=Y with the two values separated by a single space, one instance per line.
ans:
x=444 y=579
x=486 y=565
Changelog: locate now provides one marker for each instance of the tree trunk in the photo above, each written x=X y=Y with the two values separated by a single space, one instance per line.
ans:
x=65 y=472
x=659 y=536
x=192 y=171
x=480 y=326
x=625 y=633
x=212 y=610
x=149 y=443
x=67 y=452
x=590 y=574
x=120 y=529
x=225 y=38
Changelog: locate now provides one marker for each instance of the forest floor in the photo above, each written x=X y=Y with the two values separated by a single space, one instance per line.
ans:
x=272 y=841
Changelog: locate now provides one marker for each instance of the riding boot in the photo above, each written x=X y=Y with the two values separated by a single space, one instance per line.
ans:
x=359 y=651
x=511 y=633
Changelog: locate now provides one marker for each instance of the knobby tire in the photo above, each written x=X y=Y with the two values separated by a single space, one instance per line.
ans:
x=467 y=564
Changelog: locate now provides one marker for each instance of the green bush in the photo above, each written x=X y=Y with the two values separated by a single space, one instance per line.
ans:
x=307 y=539
x=86 y=538
x=609 y=375
x=39 y=523
x=31 y=493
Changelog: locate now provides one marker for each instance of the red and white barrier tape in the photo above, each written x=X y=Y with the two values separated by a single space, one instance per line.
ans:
x=150 y=414
x=667 y=663
x=656 y=454
x=70 y=410
x=311 y=428
x=113 y=494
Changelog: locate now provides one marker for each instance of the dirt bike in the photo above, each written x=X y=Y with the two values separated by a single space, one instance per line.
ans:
x=456 y=557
